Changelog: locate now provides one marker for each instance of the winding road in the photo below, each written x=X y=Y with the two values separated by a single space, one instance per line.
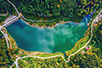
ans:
x=14 y=7
x=62 y=55
x=16 y=63
x=26 y=18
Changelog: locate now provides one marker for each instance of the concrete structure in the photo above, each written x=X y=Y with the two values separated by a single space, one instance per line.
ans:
x=9 y=19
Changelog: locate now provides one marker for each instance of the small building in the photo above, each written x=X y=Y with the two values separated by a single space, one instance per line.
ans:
x=87 y=48
x=20 y=14
x=100 y=23
x=96 y=20
x=94 y=24
x=83 y=52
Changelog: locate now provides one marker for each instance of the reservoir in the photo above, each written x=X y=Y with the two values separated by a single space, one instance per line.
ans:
x=60 y=38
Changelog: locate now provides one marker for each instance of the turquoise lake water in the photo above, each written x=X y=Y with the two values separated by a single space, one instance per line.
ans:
x=60 y=38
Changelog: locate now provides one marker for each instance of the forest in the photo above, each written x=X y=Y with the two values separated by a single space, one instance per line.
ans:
x=67 y=10
x=60 y=10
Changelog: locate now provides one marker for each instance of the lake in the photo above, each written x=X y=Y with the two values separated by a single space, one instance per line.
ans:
x=60 y=38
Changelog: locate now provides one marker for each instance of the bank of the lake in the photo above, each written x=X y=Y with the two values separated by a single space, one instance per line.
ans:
x=60 y=38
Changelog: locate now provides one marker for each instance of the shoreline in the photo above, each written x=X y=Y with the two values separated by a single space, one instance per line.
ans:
x=75 y=45
x=44 y=52
x=44 y=27
x=61 y=22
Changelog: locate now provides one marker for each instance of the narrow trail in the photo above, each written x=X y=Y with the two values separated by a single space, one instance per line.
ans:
x=4 y=14
x=26 y=18
x=37 y=20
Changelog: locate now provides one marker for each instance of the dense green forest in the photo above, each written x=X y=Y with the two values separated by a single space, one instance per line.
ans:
x=73 y=10
x=97 y=37
x=67 y=10
x=4 y=7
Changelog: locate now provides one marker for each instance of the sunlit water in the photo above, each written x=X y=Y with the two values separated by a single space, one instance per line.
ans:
x=59 y=38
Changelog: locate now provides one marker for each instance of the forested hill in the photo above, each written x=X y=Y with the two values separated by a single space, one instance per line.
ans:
x=73 y=10
x=69 y=10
